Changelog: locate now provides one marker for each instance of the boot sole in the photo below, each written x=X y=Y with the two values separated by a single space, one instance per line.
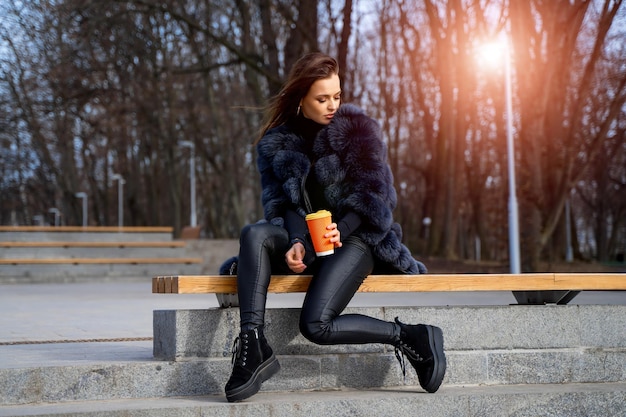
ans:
x=435 y=341
x=264 y=372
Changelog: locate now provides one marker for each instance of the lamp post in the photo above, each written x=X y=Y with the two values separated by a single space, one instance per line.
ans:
x=569 y=252
x=514 y=251
x=120 y=198
x=503 y=48
x=83 y=196
x=192 y=179
x=56 y=215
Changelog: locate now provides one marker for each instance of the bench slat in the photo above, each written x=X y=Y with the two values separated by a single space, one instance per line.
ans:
x=90 y=229
x=225 y=284
x=53 y=261
x=600 y=281
x=74 y=244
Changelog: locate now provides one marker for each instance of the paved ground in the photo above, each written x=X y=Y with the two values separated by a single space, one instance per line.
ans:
x=122 y=312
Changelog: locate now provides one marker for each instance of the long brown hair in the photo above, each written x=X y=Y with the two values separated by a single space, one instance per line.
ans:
x=308 y=69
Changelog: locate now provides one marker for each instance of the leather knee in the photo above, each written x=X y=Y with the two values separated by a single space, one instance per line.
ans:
x=314 y=331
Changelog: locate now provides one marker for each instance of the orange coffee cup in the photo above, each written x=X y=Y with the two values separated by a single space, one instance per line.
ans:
x=317 y=223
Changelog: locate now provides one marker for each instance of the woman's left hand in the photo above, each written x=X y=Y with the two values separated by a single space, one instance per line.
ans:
x=334 y=235
x=294 y=258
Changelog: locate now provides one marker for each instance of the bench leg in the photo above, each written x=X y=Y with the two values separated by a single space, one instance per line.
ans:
x=227 y=300
x=544 y=297
x=229 y=267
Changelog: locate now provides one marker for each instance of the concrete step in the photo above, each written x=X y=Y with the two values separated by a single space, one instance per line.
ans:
x=502 y=360
x=493 y=345
x=181 y=334
x=144 y=379
x=134 y=374
x=567 y=400
x=64 y=273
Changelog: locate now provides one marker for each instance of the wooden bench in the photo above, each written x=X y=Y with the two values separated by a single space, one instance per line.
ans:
x=224 y=286
x=90 y=229
x=227 y=284
x=190 y=233
x=74 y=244
x=92 y=261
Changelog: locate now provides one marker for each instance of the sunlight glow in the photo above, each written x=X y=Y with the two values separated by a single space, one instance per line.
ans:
x=492 y=53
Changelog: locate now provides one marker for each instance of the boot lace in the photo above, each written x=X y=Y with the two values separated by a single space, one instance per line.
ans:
x=403 y=350
x=240 y=351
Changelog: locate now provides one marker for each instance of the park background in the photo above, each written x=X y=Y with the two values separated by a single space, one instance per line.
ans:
x=125 y=98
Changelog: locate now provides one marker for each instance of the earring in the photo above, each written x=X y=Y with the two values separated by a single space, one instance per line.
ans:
x=298 y=111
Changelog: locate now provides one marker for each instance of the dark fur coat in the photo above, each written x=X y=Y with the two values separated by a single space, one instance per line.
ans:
x=351 y=165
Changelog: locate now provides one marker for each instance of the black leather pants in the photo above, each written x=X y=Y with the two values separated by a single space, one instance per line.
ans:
x=335 y=280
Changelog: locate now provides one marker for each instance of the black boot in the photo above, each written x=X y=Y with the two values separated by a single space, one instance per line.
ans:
x=253 y=363
x=423 y=346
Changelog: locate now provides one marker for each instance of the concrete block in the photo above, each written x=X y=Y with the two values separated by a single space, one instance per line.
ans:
x=209 y=333
x=602 y=325
x=573 y=400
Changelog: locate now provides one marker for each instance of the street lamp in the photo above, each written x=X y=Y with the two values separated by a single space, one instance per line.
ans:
x=192 y=178
x=84 y=198
x=569 y=251
x=491 y=52
x=120 y=198
x=56 y=215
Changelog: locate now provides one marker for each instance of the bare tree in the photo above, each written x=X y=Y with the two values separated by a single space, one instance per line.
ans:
x=559 y=131
x=91 y=88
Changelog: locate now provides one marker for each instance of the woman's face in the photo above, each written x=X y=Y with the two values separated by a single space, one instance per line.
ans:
x=322 y=100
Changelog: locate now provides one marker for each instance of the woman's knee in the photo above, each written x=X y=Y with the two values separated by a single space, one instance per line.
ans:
x=257 y=233
x=314 y=330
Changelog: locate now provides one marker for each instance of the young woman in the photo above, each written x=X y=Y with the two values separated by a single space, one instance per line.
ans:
x=314 y=154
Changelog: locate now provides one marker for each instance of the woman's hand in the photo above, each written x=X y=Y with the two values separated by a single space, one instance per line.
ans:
x=294 y=257
x=334 y=235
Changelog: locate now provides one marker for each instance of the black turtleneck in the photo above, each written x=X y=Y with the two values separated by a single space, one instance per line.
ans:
x=295 y=225
x=306 y=128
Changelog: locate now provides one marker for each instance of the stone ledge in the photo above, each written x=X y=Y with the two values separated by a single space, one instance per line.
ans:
x=152 y=379
x=180 y=334
x=572 y=400
x=484 y=345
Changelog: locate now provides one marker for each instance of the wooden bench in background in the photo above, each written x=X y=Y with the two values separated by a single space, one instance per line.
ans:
x=227 y=284
x=89 y=229
x=168 y=244
x=190 y=233
x=76 y=260
x=94 y=261
x=36 y=251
